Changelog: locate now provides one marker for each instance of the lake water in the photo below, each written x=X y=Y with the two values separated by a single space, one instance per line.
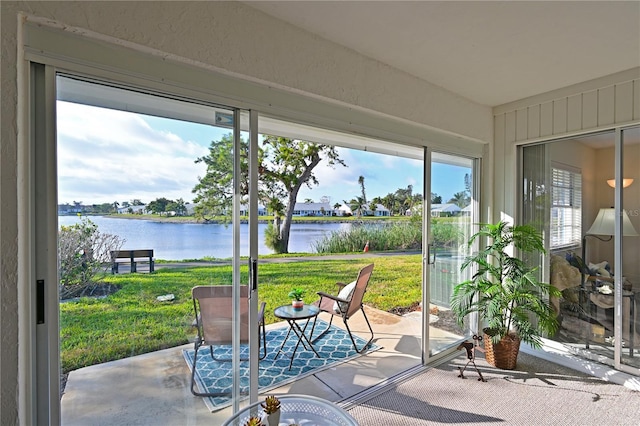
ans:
x=178 y=241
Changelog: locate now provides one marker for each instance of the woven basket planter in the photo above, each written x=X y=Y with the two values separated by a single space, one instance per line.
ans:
x=504 y=354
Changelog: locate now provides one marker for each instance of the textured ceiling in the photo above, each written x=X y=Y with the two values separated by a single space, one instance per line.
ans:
x=489 y=52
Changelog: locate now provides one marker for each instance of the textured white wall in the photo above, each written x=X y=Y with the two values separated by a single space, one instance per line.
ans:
x=230 y=36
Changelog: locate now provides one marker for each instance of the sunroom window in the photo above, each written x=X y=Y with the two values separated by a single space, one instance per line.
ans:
x=566 y=207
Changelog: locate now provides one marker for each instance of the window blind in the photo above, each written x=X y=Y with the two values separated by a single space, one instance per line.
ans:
x=566 y=208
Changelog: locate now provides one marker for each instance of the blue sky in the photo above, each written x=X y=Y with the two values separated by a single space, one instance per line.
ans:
x=107 y=155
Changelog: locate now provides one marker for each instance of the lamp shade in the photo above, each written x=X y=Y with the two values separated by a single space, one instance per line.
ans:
x=625 y=182
x=605 y=224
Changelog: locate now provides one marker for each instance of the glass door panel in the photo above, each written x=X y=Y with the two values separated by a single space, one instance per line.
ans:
x=452 y=218
x=569 y=193
x=630 y=267
x=149 y=193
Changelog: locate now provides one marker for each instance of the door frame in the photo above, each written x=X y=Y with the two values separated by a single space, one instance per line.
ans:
x=427 y=243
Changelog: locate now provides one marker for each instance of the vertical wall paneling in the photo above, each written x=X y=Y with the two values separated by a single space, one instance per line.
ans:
x=606 y=105
x=521 y=124
x=590 y=109
x=510 y=127
x=533 y=121
x=499 y=128
x=574 y=112
x=636 y=99
x=609 y=105
x=499 y=148
x=559 y=116
x=624 y=102
x=546 y=119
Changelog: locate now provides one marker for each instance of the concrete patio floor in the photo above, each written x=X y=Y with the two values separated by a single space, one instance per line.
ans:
x=154 y=388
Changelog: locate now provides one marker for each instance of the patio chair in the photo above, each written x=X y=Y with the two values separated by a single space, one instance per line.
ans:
x=347 y=303
x=213 y=320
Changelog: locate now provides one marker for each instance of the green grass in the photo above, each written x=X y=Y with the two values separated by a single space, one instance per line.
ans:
x=131 y=321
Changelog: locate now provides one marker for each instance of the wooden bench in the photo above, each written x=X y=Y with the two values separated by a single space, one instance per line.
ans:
x=132 y=256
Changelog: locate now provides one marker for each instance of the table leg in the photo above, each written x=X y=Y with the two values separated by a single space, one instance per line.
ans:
x=300 y=333
x=284 y=341
x=632 y=322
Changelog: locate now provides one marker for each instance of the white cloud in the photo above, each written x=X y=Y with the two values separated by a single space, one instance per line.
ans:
x=383 y=174
x=107 y=155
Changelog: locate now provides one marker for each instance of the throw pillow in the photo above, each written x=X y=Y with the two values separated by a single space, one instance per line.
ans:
x=601 y=268
x=345 y=293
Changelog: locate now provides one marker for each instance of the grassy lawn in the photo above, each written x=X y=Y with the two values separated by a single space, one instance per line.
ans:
x=132 y=321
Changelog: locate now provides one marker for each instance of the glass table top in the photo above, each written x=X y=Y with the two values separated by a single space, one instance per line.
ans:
x=287 y=312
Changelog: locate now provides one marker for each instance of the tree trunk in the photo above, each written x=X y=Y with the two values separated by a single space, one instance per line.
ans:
x=285 y=230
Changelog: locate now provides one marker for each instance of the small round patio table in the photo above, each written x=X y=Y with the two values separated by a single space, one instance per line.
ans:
x=291 y=315
x=303 y=410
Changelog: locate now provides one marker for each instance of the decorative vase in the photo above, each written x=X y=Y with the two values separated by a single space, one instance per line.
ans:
x=297 y=304
x=272 y=419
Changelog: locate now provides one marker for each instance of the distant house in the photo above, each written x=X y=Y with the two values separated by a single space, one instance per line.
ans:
x=68 y=209
x=379 y=211
x=438 y=210
x=244 y=210
x=132 y=209
x=312 y=209
x=343 y=210
x=466 y=211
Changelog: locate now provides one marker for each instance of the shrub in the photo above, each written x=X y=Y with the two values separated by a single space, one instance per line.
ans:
x=394 y=236
x=83 y=251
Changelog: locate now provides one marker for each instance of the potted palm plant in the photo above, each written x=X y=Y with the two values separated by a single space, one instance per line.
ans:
x=506 y=293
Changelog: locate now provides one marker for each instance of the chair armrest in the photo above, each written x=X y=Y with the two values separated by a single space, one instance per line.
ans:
x=332 y=297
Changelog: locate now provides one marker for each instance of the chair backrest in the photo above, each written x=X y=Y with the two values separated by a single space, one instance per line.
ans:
x=361 y=288
x=213 y=309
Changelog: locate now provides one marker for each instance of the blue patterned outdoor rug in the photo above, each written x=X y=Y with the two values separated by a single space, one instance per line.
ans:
x=334 y=347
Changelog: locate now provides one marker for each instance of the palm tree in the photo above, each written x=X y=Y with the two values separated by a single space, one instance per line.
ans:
x=361 y=182
x=357 y=205
x=460 y=199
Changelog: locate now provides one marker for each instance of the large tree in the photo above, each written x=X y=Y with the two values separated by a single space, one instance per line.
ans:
x=159 y=205
x=284 y=166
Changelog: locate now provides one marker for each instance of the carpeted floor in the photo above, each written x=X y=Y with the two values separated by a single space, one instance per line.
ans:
x=536 y=393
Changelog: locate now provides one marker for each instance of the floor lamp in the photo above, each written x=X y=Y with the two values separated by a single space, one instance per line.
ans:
x=605 y=225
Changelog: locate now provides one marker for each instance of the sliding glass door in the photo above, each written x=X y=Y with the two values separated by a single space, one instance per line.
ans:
x=627 y=281
x=580 y=192
x=142 y=195
x=452 y=216
x=145 y=183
